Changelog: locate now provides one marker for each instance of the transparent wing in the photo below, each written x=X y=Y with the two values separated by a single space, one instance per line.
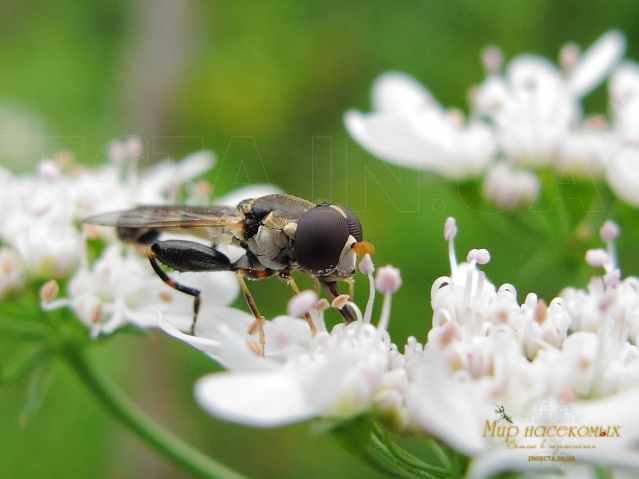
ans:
x=179 y=216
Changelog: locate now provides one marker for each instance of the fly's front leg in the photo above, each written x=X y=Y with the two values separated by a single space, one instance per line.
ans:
x=285 y=275
x=259 y=319
x=332 y=291
x=184 y=256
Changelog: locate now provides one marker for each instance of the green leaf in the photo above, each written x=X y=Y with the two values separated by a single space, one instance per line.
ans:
x=353 y=435
x=39 y=384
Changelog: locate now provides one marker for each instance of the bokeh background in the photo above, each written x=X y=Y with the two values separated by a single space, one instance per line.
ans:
x=264 y=85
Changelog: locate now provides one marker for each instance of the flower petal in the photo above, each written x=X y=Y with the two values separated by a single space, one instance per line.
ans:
x=596 y=63
x=446 y=409
x=622 y=174
x=390 y=137
x=254 y=399
x=396 y=92
x=210 y=346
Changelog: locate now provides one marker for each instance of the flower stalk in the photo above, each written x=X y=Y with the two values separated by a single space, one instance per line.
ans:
x=131 y=416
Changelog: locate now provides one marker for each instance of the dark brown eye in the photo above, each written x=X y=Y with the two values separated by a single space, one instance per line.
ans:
x=354 y=226
x=320 y=237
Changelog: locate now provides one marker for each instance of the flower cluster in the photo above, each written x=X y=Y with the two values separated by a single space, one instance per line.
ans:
x=301 y=375
x=571 y=359
x=524 y=119
x=42 y=237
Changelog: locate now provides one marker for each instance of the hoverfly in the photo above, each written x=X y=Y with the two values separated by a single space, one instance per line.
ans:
x=279 y=234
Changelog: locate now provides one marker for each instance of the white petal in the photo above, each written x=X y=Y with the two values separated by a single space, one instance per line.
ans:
x=391 y=138
x=509 y=187
x=623 y=174
x=624 y=99
x=210 y=346
x=193 y=166
x=447 y=410
x=396 y=92
x=538 y=87
x=475 y=146
x=583 y=154
x=254 y=399
x=596 y=63
x=218 y=288
x=613 y=410
x=494 y=98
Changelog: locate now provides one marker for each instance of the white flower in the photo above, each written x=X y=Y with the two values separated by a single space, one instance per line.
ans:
x=529 y=116
x=535 y=108
x=40 y=216
x=335 y=375
x=410 y=128
x=40 y=213
x=121 y=288
x=486 y=351
x=48 y=249
x=508 y=188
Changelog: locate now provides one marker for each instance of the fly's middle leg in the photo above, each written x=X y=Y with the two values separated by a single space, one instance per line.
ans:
x=285 y=275
x=259 y=319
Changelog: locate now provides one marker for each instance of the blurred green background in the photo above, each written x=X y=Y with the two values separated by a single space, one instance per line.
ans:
x=265 y=85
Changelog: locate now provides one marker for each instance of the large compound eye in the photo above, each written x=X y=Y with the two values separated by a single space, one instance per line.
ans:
x=354 y=226
x=320 y=237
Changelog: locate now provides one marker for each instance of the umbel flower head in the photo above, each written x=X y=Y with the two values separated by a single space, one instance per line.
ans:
x=524 y=120
x=486 y=350
x=42 y=237
x=301 y=375
x=546 y=366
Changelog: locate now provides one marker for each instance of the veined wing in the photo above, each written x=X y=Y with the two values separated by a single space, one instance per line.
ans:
x=178 y=216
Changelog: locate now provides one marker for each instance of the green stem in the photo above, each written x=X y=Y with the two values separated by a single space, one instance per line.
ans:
x=380 y=448
x=440 y=453
x=382 y=466
x=129 y=414
x=555 y=198
x=405 y=456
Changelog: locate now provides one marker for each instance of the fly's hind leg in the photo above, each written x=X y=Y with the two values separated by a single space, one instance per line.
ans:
x=185 y=256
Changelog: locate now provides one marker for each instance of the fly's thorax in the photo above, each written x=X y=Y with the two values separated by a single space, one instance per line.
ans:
x=268 y=228
x=272 y=247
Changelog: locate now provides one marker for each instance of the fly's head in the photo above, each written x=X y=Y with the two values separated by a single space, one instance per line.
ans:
x=328 y=238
